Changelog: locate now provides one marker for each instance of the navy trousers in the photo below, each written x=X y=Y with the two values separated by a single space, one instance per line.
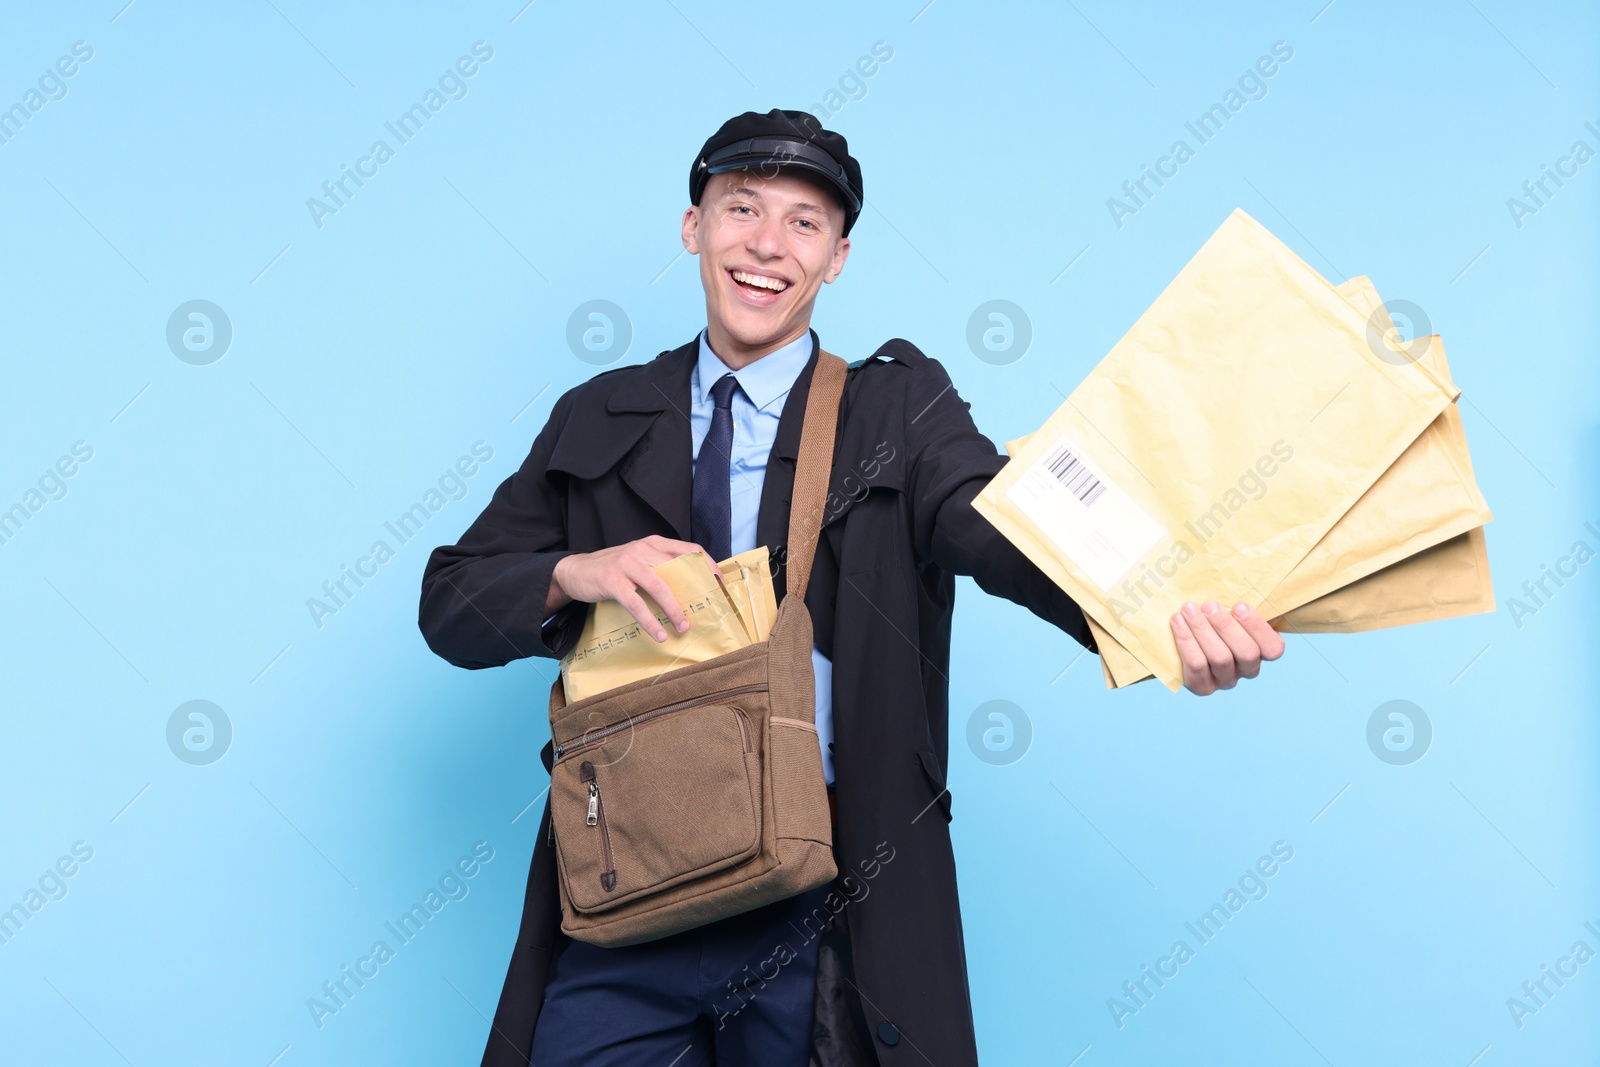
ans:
x=736 y=993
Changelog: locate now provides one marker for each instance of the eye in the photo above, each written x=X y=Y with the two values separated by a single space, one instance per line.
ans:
x=808 y=223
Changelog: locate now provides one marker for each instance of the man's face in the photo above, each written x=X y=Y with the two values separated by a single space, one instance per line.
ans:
x=766 y=242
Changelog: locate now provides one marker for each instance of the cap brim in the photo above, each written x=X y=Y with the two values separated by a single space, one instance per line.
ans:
x=785 y=152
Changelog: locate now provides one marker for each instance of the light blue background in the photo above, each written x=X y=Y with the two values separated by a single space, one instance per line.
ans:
x=430 y=313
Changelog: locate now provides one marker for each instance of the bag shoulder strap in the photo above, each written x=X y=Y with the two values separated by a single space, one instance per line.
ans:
x=812 y=469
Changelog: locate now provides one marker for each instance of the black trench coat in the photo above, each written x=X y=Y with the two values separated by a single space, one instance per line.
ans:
x=613 y=465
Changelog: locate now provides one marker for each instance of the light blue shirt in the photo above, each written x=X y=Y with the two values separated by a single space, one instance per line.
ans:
x=757 y=405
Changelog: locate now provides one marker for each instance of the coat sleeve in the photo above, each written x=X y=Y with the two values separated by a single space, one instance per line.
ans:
x=483 y=597
x=950 y=463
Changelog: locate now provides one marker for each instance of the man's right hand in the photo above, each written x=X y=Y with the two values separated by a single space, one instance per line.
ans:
x=621 y=574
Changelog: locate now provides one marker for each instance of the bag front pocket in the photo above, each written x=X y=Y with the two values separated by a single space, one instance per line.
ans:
x=666 y=797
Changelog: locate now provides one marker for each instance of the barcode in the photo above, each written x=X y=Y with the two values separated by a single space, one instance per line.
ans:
x=1070 y=472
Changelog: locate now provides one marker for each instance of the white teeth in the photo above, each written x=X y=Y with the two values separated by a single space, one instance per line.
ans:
x=755 y=279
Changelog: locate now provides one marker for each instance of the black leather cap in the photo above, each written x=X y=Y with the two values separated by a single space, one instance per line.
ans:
x=778 y=140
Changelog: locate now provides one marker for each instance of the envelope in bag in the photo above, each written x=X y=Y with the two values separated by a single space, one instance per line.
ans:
x=614 y=649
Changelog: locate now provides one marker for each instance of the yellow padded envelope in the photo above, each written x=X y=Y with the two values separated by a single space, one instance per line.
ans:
x=724 y=614
x=1443 y=582
x=1427 y=497
x=1249 y=369
x=748 y=577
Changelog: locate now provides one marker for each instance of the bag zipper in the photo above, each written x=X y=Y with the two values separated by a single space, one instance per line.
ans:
x=597 y=817
x=595 y=738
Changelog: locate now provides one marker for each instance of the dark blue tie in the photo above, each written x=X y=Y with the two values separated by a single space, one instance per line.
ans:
x=711 y=505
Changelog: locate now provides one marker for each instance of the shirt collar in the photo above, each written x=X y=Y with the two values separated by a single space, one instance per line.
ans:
x=765 y=381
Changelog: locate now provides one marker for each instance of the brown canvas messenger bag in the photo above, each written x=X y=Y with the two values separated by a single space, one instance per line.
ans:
x=698 y=794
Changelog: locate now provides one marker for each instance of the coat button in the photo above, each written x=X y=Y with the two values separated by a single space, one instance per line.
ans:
x=888 y=1034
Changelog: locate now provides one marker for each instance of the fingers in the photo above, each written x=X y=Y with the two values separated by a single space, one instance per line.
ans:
x=673 y=548
x=645 y=579
x=629 y=570
x=1219 y=647
x=1246 y=652
x=1224 y=672
x=1196 y=668
x=1267 y=639
x=639 y=570
x=668 y=548
x=637 y=607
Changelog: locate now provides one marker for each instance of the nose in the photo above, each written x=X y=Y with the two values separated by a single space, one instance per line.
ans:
x=766 y=239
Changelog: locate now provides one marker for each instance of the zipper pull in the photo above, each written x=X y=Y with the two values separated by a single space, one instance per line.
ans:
x=586 y=776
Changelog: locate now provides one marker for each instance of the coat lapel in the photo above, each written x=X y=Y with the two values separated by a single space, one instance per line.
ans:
x=658 y=465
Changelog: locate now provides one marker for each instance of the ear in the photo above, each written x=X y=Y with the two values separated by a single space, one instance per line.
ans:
x=691 y=230
x=841 y=253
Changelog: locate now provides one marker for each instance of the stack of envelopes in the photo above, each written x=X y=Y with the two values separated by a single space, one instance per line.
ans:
x=1260 y=435
x=726 y=611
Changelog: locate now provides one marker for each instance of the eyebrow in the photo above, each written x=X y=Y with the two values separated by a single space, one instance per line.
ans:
x=744 y=190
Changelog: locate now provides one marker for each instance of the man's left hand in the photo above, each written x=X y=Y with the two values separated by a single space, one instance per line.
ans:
x=1219 y=647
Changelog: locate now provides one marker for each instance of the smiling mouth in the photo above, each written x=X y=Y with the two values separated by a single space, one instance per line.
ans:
x=759 y=283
